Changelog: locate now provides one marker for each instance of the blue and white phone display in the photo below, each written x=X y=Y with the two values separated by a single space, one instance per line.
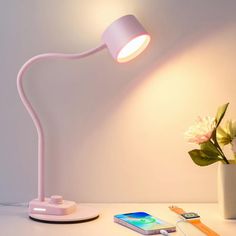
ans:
x=142 y=220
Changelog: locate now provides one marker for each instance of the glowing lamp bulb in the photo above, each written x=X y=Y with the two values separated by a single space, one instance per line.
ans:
x=125 y=38
x=133 y=48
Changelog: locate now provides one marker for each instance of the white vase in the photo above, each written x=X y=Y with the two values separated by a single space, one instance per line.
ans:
x=227 y=190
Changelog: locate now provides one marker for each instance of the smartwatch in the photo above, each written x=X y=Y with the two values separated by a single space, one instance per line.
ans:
x=194 y=219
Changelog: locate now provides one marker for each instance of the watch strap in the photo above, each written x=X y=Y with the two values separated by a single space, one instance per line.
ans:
x=177 y=210
x=202 y=227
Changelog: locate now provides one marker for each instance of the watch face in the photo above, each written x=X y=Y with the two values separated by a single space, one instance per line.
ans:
x=190 y=215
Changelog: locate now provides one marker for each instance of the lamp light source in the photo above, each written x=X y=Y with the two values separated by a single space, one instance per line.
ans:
x=125 y=39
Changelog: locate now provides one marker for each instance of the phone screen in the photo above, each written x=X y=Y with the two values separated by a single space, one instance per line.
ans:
x=143 y=221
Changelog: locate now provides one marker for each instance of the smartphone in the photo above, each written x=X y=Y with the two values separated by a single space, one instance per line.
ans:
x=143 y=223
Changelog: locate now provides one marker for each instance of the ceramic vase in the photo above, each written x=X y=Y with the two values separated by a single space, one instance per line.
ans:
x=227 y=190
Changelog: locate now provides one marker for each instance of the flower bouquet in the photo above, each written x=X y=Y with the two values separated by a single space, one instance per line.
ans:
x=211 y=137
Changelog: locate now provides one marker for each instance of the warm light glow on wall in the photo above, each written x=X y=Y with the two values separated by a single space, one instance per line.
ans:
x=143 y=134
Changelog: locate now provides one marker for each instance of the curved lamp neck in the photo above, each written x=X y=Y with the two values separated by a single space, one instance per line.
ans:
x=32 y=112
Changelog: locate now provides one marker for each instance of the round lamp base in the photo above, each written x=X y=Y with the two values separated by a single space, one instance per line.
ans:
x=82 y=214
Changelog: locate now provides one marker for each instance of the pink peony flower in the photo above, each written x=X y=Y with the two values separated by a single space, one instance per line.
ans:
x=201 y=131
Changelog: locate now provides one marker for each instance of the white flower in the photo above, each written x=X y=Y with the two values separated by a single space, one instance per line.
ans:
x=201 y=131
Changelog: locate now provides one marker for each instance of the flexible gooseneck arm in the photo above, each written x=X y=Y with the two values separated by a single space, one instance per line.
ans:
x=32 y=112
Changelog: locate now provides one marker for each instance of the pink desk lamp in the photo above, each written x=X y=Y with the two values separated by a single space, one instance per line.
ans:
x=125 y=38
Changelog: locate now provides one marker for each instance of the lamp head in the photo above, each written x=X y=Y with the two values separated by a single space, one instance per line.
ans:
x=125 y=38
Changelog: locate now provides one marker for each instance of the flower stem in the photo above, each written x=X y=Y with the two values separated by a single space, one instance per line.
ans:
x=224 y=157
x=220 y=151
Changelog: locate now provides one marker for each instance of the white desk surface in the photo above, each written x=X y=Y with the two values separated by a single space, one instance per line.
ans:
x=15 y=221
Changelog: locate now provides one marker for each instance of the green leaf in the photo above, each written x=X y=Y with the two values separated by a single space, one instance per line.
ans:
x=220 y=113
x=209 y=147
x=222 y=136
x=224 y=140
x=204 y=157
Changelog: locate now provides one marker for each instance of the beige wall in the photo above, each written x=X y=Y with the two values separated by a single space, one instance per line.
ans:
x=114 y=133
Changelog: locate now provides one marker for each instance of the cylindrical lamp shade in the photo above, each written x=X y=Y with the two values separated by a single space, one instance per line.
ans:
x=125 y=38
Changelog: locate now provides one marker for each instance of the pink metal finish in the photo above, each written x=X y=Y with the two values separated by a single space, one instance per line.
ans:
x=121 y=32
x=32 y=112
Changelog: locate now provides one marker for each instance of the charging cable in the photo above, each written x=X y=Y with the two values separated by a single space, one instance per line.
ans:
x=164 y=232
x=14 y=204
x=177 y=225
